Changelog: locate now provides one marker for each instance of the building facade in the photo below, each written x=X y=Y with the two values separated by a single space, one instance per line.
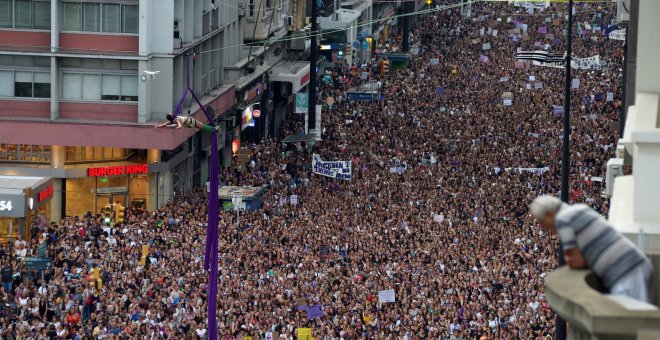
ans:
x=83 y=83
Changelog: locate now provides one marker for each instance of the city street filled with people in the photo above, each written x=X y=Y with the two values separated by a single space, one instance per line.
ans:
x=443 y=171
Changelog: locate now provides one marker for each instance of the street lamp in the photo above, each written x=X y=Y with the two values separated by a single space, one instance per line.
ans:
x=237 y=199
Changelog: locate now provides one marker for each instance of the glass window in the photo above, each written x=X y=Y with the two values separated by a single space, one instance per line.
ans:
x=41 y=85
x=129 y=17
x=71 y=86
x=91 y=89
x=71 y=13
x=6 y=83
x=129 y=88
x=92 y=18
x=42 y=15
x=23 y=14
x=6 y=13
x=23 y=84
x=111 y=18
x=110 y=87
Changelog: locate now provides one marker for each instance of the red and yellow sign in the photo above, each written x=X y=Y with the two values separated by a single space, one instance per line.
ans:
x=133 y=169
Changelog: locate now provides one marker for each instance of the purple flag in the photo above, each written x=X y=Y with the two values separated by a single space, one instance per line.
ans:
x=315 y=312
x=483 y=59
x=537 y=44
x=543 y=30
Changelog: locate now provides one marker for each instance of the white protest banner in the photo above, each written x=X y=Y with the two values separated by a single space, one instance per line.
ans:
x=497 y=170
x=610 y=96
x=507 y=102
x=586 y=63
x=434 y=61
x=294 y=199
x=386 y=296
x=485 y=46
x=439 y=218
x=335 y=169
x=618 y=34
x=575 y=83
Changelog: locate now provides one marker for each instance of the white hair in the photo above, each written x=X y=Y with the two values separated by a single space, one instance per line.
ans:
x=543 y=205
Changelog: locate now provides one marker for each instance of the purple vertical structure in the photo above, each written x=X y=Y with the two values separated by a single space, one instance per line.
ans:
x=211 y=253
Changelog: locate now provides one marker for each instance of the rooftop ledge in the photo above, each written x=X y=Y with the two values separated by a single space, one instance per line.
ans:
x=576 y=296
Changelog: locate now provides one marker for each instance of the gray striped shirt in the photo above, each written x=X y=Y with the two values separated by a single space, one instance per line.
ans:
x=608 y=253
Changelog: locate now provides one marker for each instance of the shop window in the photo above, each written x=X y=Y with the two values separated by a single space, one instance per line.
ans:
x=25 y=14
x=92 y=17
x=23 y=84
x=87 y=154
x=71 y=16
x=129 y=18
x=111 y=18
x=6 y=83
x=27 y=84
x=100 y=87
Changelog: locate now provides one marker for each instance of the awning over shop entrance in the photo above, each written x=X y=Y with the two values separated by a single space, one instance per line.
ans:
x=294 y=72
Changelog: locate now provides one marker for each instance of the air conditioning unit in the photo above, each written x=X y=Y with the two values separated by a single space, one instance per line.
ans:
x=623 y=11
x=288 y=21
x=241 y=12
x=178 y=35
x=614 y=170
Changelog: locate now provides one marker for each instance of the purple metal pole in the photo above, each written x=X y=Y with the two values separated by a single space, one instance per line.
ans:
x=213 y=230
x=211 y=253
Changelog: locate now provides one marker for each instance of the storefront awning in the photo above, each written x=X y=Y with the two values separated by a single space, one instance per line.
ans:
x=294 y=72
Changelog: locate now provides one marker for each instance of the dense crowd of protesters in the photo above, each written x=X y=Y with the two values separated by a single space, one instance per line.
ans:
x=449 y=232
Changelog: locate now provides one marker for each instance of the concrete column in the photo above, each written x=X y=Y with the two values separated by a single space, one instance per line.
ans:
x=226 y=153
x=57 y=157
x=188 y=21
x=153 y=156
x=144 y=93
x=56 y=201
x=54 y=25
x=54 y=89
x=152 y=198
x=144 y=27
x=197 y=18
x=648 y=48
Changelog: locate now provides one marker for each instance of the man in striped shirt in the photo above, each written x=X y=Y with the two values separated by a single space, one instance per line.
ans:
x=590 y=241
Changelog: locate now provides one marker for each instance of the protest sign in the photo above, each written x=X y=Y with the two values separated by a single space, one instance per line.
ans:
x=386 y=296
x=304 y=334
x=314 y=312
x=434 y=61
x=507 y=102
x=618 y=34
x=575 y=83
x=557 y=110
x=335 y=169
x=294 y=199
x=485 y=46
x=610 y=96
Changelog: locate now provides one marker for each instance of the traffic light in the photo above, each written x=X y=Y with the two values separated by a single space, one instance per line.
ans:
x=119 y=214
x=107 y=215
x=384 y=66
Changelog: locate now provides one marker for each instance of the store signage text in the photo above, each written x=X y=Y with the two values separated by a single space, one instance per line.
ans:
x=5 y=206
x=119 y=170
x=45 y=194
